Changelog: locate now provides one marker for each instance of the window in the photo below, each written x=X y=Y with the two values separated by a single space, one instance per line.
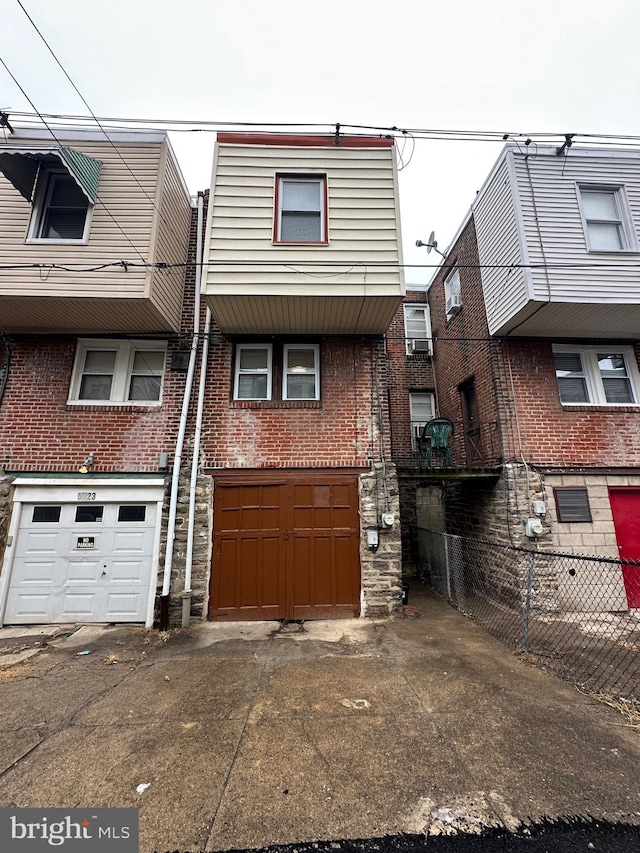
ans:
x=253 y=372
x=421 y=408
x=118 y=372
x=90 y=514
x=61 y=209
x=132 y=513
x=301 y=205
x=417 y=329
x=46 y=514
x=452 y=293
x=300 y=375
x=572 y=504
x=283 y=372
x=597 y=375
x=605 y=219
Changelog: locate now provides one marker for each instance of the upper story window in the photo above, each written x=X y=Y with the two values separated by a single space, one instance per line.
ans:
x=417 y=329
x=287 y=372
x=597 y=375
x=605 y=219
x=111 y=372
x=301 y=209
x=61 y=210
x=452 y=293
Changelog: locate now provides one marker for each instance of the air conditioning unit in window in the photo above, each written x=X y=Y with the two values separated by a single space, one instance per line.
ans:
x=454 y=304
x=419 y=345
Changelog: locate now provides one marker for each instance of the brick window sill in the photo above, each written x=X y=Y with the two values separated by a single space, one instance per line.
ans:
x=276 y=404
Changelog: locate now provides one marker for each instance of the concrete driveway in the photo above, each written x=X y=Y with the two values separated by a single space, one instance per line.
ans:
x=244 y=735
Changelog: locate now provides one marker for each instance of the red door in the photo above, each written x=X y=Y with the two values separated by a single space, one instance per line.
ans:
x=625 y=506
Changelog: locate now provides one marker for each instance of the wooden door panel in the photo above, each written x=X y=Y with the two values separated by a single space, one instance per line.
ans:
x=286 y=550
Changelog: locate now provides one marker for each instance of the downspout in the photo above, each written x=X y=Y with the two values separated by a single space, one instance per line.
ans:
x=175 y=480
x=195 y=464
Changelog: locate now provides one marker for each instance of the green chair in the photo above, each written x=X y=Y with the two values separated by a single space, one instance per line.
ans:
x=436 y=435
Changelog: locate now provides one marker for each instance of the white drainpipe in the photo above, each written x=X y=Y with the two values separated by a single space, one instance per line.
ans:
x=175 y=480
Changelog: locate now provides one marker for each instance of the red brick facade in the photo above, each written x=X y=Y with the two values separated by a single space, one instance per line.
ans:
x=339 y=430
x=516 y=385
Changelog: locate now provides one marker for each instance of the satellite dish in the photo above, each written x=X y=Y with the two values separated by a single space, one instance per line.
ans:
x=431 y=243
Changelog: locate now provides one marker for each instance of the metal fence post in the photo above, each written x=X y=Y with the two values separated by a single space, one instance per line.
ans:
x=527 y=602
x=446 y=565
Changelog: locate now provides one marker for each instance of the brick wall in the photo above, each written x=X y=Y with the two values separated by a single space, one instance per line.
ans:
x=340 y=430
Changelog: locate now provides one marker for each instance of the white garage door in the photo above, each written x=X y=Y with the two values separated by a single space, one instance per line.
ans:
x=82 y=562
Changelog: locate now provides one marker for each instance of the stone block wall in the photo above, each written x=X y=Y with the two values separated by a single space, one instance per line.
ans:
x=382 y=569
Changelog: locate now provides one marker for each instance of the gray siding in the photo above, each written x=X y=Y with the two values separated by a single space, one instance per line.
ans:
x=506 y=291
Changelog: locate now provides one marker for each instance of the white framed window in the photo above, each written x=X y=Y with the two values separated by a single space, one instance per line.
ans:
x=253 y=375
x=61 y=211
x=452 y=293
x=421 y=407
x=301 y=372
x=116 y=372
x=417 y=329
x=301 y=209
x=605 y=218
x=600 y=375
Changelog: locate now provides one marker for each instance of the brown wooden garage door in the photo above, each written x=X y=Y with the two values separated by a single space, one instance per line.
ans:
x=286 y=548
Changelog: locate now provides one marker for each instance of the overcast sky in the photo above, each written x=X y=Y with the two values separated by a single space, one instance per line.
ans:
x=469 y=65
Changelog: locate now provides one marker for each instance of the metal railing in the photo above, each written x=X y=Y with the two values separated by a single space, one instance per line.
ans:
x=473 y=444
x=565 y=612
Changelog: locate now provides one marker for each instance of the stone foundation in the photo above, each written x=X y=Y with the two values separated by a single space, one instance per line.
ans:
x=381 y=591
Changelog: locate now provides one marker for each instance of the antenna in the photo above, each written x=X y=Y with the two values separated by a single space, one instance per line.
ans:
x=431 y=243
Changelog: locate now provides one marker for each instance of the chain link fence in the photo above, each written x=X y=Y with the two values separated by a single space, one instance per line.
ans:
x=568 y=613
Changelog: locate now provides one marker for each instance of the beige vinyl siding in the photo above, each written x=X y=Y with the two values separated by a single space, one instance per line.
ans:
x=505 y=290
x=121 y=229
x=171 y=243
x=362 y=222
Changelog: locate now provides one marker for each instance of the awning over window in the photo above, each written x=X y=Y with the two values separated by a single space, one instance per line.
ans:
x=20 y=166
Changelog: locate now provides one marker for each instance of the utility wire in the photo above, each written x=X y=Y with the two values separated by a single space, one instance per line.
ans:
x=133 y=246
x=97 y=121
x=210 y=125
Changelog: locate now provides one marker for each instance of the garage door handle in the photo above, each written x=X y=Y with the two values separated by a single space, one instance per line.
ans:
x=103 y=574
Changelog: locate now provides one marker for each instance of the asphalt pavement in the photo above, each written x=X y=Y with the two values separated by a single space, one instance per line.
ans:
x=245 y=735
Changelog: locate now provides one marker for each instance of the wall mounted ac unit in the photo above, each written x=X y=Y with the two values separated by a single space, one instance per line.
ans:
x=454 y=304
x=419 y=345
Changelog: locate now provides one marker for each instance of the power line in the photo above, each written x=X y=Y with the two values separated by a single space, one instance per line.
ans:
x=450 y=134
x=97 y=121
x=135 y=249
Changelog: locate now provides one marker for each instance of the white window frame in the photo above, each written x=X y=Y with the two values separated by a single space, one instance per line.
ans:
x=315 y=372
x=125 y=355
x=303 y=178
x=44 y=189
x=593 y=378
x=418 y=424
x=452 y=289
x=424 y=333
x=268 y=371
x=622 y=221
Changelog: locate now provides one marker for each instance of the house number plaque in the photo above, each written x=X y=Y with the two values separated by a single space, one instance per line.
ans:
x=86 y=496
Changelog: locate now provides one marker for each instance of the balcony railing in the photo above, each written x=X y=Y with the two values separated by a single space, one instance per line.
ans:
x=473 y=444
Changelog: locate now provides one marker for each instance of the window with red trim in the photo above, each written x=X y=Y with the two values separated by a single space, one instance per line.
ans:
x=301 y=209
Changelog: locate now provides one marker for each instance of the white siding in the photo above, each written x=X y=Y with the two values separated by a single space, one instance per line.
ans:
x=363 y=225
